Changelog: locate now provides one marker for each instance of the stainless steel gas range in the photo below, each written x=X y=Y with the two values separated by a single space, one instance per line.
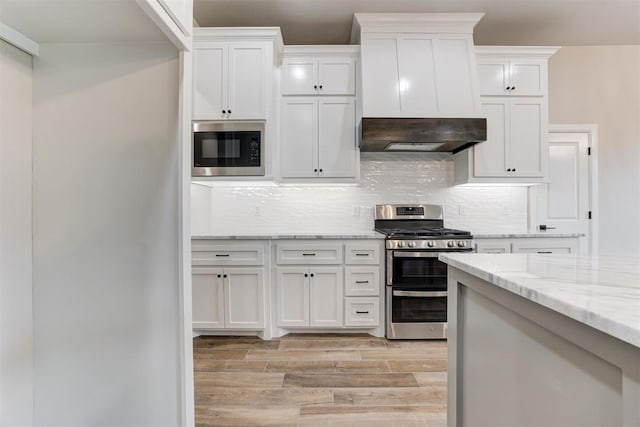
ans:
x=416 y=282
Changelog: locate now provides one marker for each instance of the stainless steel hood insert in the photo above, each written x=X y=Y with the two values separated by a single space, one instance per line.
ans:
x=449 y=135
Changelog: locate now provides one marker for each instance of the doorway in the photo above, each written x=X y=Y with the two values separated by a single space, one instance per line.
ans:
x=567 y=203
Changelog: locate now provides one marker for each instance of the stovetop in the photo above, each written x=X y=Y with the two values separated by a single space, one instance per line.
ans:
x=439 y=232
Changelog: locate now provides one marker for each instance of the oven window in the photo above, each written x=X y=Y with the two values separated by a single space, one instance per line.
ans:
x=412 y=273
x=418 y=309
x=226 y=149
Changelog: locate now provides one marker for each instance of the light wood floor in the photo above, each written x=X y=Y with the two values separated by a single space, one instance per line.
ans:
x=319 y=380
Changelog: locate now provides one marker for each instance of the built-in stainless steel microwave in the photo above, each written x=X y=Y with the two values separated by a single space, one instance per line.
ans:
x=228 y=149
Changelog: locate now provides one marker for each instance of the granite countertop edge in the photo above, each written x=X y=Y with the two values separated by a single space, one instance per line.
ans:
x=290 y=236
x=532 y=288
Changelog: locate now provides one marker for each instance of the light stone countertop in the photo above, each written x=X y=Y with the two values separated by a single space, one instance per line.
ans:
x=526 y=235
x=290 y=236
x=601 y=292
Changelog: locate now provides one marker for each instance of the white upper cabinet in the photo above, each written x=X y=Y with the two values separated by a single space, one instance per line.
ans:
x=513 y=83
x=230 y=81
x=419 y=65
x=318 y=137
x=311 y=76
x=512 y=77
x=234 y=72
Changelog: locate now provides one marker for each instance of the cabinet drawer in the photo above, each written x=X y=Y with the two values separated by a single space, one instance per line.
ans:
x=321 y=253
x=360 y=311
x=362 y=281
x=533 y=250
x=205 y=253
x=362 y=253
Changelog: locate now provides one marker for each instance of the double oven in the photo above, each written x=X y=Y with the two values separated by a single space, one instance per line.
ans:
x=416 y=282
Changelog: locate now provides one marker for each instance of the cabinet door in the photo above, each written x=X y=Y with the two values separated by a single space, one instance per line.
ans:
x=326 y=296
x=336 y=77
x=209 y=81
x=493 y=76
x=525 y=146
x=292 y=296
x=300 y=77
x=207 y=298
x=336 y=137
x=380 y=79
x=489 y=157
x=417 y=79
x=457 y=90
x=528 y=77
x=244 y=296
x=247 y=81
x=299 y=138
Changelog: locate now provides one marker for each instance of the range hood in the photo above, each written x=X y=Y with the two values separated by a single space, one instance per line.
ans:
x=449 y=135
x=420 y=89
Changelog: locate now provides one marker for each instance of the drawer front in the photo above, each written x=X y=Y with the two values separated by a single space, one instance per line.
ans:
x=327 y=253
x=222 y=255
x=362 y=281
x=362 y=311
x=362 y=253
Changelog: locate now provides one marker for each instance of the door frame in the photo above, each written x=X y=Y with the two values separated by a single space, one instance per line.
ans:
x=592 y=186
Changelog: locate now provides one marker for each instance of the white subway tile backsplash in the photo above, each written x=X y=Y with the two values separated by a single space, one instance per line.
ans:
x=385 y=178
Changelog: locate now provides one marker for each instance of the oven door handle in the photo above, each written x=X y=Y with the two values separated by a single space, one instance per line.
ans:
x=416 y=294
x=410 y=254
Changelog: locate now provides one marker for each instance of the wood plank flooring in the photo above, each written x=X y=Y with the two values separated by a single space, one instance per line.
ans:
x=319 y=380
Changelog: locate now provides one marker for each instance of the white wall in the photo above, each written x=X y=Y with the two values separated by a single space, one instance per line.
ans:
x=106 y=235
x=601 y=85
x=16 y=314
x=386 y=178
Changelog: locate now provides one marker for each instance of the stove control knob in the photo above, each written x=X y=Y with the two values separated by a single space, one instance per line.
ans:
x=462 y=244
x=451 y=243
x=431 y=243
x=400 y=244
x=411 y=244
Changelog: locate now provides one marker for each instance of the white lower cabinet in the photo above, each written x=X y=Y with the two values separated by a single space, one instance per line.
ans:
x=531 y=245
x=229 y=298
x=309 y=296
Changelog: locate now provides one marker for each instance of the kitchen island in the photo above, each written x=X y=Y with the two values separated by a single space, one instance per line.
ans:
x=544 y=340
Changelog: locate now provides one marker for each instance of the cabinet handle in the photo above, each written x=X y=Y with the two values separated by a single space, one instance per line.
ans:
x=219 y=275
x=513 y=170
x=222 y=255
x=224 y=111
x=224 y=275
x=545 y=252
x=362 y=281
x=229 y=111
x=508 y=87
x=311 y=274
x=315 y=170
x=306 y=275
x=308 y=254
x=362 y=312
x=320 y=170
x=362 y=254
x=315 y=86
x=513 y=88
x=320 y=86
x=508 y=170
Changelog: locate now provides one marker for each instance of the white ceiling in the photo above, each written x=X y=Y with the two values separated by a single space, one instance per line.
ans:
x=85 y=21
x=507 y=22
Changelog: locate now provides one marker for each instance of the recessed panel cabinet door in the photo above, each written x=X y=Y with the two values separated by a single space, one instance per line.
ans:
x=300 y=77
x=493 y=75
x=528 y=77
x=299 y=138
x=381 y=90
x=292 y=293
x=489 y=156
x=247 y=91
x=209 y=85
x=337 y=145
x=326 y=296
x=336 y=77
x=207 y=298
x=525 y=148
x=244 y=290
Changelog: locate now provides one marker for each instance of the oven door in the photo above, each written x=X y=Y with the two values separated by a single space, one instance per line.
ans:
x=228 y=149
x=416 y=271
